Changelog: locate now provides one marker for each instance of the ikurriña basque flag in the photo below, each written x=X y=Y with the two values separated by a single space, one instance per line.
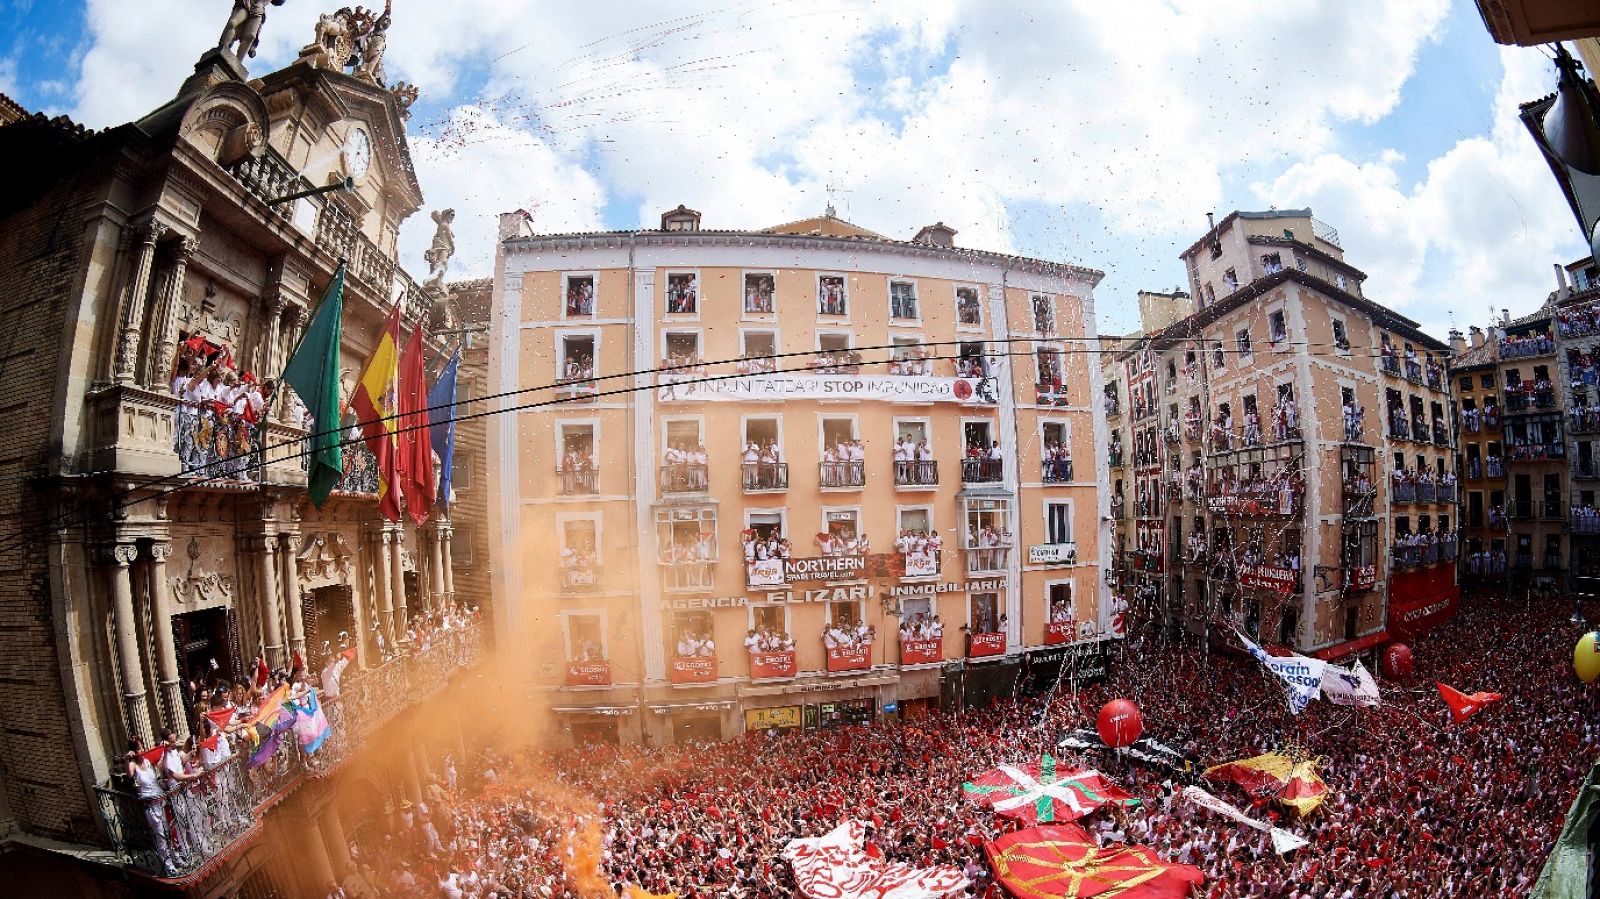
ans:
x=310 y=724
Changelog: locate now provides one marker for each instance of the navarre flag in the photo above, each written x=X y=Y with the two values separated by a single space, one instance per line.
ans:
x=1566 y=871
x=1061 y=861
x=1282 y=840
x=1302 y=674
x=442 y=423
x=416 y=450
x=310 y=724
x=313 y=372
x=1350 y=686
x=1463 y=706
x=376 y=401
x=1275 y=775
x=1041 y=793
x=836 y=865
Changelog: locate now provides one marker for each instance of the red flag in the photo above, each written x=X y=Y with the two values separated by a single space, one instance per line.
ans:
x=221 y=717
x=376 y=403
x=263 y=674
x=1063 y=860
x=1463 y=706
x=416 y=450
x=153 y=754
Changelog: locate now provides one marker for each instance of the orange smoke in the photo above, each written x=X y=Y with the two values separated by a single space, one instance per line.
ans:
x=583 y=871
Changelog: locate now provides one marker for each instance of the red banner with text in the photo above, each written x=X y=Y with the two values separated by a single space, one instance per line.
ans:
x=921 y=652
x=850 y=658
x=771 y=665
x=694 y=670
x=588 y=674
x=981 y=645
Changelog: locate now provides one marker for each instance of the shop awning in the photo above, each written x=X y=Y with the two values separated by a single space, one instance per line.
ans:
x=613 y=710
x=1351 y=647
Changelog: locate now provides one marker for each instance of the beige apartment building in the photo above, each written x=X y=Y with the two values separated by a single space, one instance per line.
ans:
x=791 y=477
x=1285 y=447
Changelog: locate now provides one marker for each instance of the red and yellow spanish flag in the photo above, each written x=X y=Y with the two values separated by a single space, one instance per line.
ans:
x=377 y=404
x=1295 y=784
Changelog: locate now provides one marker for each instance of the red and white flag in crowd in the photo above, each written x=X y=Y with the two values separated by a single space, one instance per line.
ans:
x=1041 y=793
x=1462 y=706
x=837 y=865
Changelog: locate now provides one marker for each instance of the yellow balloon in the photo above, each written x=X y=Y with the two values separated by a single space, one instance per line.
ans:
x=1586 y=658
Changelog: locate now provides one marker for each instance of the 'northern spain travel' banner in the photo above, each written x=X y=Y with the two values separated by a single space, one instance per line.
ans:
x=801 y=386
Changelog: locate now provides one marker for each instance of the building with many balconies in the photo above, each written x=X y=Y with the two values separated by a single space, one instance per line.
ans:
x=1476 y=371
x=1291 y=513
x=1535 y=447
x=791 y=477
x=156 y=543
x=1577 y=332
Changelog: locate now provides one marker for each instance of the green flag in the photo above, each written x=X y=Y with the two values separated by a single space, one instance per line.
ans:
x=313 y=372
x=1566 y=872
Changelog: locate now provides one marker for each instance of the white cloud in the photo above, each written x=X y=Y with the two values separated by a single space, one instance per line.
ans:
x=1479 y=232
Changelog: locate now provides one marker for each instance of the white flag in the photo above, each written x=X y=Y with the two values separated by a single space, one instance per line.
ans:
x=1353 y=686
x=1302 y=673
x=836 y=866
x=1282 y=840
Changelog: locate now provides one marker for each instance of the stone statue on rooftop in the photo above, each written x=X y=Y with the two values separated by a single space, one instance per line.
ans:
x=244 y=27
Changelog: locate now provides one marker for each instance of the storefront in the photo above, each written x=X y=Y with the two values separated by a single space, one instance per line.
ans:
x=840 y=713
x=782 y=719
x=691 y=721
x=1074 y=664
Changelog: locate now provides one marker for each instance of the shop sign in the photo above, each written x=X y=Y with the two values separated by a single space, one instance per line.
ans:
x=693 y=603
x=1053 y=554
x=1266 y=577
x=985 y=585
x=783 y=716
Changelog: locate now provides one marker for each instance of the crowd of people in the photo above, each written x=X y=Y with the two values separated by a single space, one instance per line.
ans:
x=836 y=362
x=218 y=411
x=831 y=297
x=684 y=467
x=843 y=541
x=1578 y=321
x=1417 y=807
x=844 y=463
x=921 y=626
x=1486 y=563
x=702 y=547
x=913 y=362
x=759 y=294
x=1517 y=346
x=1056 y=462
x=765 y=639
x=580 y=297
x=1424 y=547
x=692 y=644
x=1474 y=419
x=683 y=295
x=848 y=635
x=1585 y=519
x=920 y=550
x=760 y=548
x=983 y=463
x=987 y=547
x=756 y=365
x=763 y=466
x=578 y=368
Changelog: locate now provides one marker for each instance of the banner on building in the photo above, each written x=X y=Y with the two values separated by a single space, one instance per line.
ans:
x=782 y=717
x=1056 y=632
x=921 y=652
x=588 y=674
x=694 y=670
x=782 y=572
x=1266 y=577
x=777 y=388
x=982 y=645
x=922 y=564
x=850 y=658
x=771 y=665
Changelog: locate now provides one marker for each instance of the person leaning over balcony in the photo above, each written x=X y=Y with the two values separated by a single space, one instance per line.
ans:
x=147 y=785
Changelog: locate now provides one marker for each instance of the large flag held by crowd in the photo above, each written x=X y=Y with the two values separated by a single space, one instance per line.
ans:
x=1350 y=686
x=837 y=865
x=1464 y=706
x=1282 y=840
x=1302 y=674
x=1041 y=793
x=1278 y=776
x=1062 y=861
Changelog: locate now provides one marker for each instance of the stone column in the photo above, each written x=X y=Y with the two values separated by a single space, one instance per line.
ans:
x=355 y=572
x=445 y=533
x=288 y=555
x=319 y=869
x=166 y=344
x=436 y=563
x=133 y=303
x=271 y=621
x=293 y=320
x=397 y=579
x=137 y=715
x=177 y=717
x=337 y=844
x=275 y=303
x=380 y=542
x=408 y=773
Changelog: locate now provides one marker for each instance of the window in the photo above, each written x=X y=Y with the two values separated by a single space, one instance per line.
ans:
x=585 y=638
x=1486 y=381
x=1044 y=313
x=759 y=293
x=772 y=619
x=1230 y=280
x=576 y=361
x=1242 y=339
x=686 y=536
x=843 y=460
x=1216 y=249
x=580 y=543
x=461 y=472
x=1339 y=281
x=1341 y=336
x=988 y=538
x=682 y=350
x=1060 y=609
x=1217 y=355
x=1211 y=295
x=1272 y=263
x=844 y=533
x=986 y=617
x=918 y=521
x=580 y=293
x=461 y=545
x=683 y=293
x=1058 y=522
x=759 y=352
x=903 y=300
x=969 y=311
x=689 y=634
x=1050 y=369
x=832 y=297
x=1278 y=326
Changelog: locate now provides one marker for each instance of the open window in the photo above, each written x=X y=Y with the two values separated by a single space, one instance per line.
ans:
x=988 y=537
x=1060 y=602
x=843 y=457
x=1044 y=313
x=971 y=361
x=969 y=311
x=579 y=554
x=909 y=358
x=691 y=635
x=683 y=459
x=759 y=352
x=843 y=536
x=580 y=294
x=576 y=357
x=683 y=293
x=832 y=296
x=687 y=545
x=585 y=638
x=760 y=293
x=834 y=355
x=577 y=463
x=986 y=615
x=762 y=464
x=1056 y=457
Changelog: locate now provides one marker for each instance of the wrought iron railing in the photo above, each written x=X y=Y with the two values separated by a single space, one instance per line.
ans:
x=842 y=474
x=756 y=476
x=214 y=445
x=683 y=477
x=918 y=473
x=579 y=481
x=360 y=469
x=175 y=833
x=982 y=471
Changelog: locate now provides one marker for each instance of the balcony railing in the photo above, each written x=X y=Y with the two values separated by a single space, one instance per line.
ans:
x=579 y=481
x=1551 y=509
x=987 y=558
x=1520 y=508
x=1398 y=429
x=218 y=447
x=576 y=390
x=1413 y=371
x=1584 y=521
x=1114 y=458
x=1536 y=452
x=1441 y=434
x=1447 y=493
x=1419 y=431
x=1496 y=468
x=697 y=575
x=683 y=477
x=1404 y=492
x=360 y=469
x=842 y=474
x=1426 y=492
x=763 y=476
x=1056 y=471
x=1585 y=468
x=982 y=471
x=173 y=835
x=1525 y=347
x=1391 y=365
x=916 y=474
x=1584 y=421
x=1522 y=560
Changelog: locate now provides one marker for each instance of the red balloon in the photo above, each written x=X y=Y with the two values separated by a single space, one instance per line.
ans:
x=1397 y=661
x=1119 y=723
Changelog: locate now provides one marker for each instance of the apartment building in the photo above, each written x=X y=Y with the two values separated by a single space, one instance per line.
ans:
x=1536 y=448
x=1577 y=327
x=1475 y=369
x=1291 y=510
x=800 y=476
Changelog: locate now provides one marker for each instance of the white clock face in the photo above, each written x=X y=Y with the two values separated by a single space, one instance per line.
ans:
x=357 y=153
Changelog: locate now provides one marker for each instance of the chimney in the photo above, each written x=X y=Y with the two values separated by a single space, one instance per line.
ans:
x=1505 y=316
x=516 y=224
x=938 y=234
x=1477 y=336
x=681 y=219
x=1561 y=279
x=1458 y=344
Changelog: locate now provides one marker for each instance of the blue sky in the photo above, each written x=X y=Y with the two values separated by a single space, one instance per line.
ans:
x=1067 y=129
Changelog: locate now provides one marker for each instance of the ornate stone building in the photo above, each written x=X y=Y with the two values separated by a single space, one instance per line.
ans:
x=147 y=545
